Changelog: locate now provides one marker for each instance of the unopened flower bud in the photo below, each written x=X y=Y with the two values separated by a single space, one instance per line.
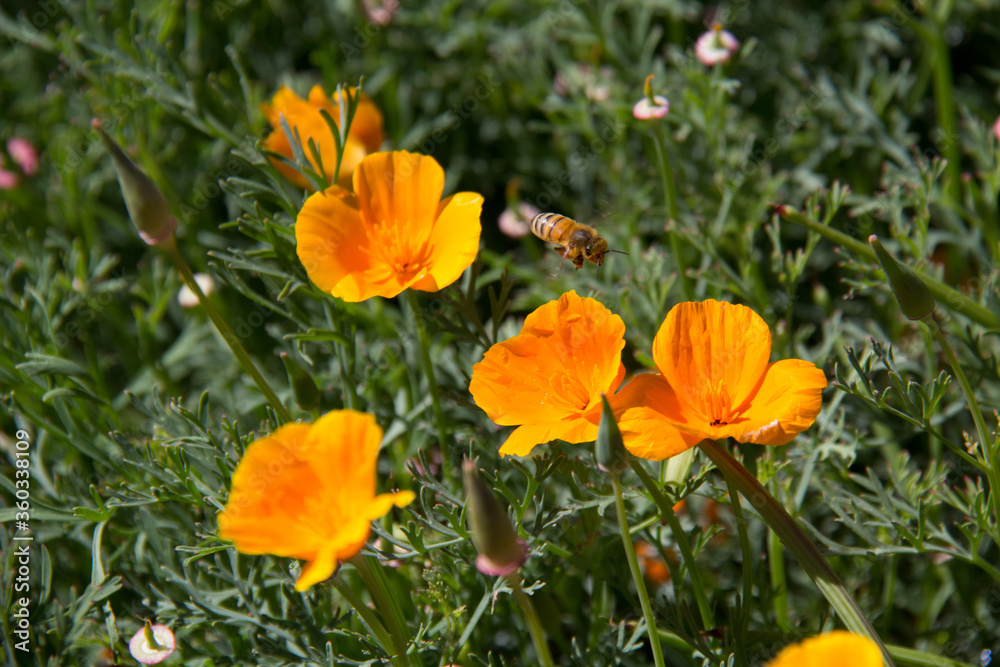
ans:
x=152 y=644
x=610 y=448
x=914 y=297
x=304 y=388
x=145 y=203
x=501 y=551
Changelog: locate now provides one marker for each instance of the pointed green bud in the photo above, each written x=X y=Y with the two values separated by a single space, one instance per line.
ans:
x=304 y=388
x=145 y=203
x=915 y=299
x=501 y=551
x=609 y=447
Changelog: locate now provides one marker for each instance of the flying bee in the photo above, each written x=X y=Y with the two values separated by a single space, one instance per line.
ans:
x=577 y=242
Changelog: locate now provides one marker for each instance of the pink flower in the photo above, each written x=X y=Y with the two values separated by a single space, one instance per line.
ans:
x=381 y=13
x=516 y=223
x=645 y=110
x=143 y=651
x=996 y=128
x=716 y=46
x=24 y=154
x=8 y=179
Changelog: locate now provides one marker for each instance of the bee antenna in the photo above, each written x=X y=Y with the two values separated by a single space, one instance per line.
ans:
x=620 y=252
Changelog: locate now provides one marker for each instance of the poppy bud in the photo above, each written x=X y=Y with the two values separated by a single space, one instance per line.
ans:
x=304 y=388
x=145 y=203
x=610 y=448
x=501 y=551
x=915 y=299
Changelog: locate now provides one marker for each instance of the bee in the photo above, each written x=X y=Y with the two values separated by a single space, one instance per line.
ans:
x=577 y=242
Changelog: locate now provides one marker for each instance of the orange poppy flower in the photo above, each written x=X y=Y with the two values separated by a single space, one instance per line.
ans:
x=715 y=382
x=308 y=492
x=830 y=650
x=548 y=379
x=364 y=137
x=654 y=568
x=392 y=233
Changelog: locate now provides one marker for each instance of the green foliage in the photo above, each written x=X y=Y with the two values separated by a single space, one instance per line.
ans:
x=137 y=413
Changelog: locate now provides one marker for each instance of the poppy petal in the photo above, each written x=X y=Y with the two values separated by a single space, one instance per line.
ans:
x=527 y=437
x=788 y=401
x=833 y=649
x=454 y=241
x=713 y=354
x=335 y=249
x=400 y=193
x=567 y=354
x=384 y=502
x=318 y=569
x=648 y=414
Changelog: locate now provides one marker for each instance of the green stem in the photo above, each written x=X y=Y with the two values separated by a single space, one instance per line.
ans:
x=986 y=443
x=779 y=582
x=227 y=334
x=670 y=194
x=633 y=565
x=385 y=601
x=680 y=537
x=797 y=542
x=371 y=622
x=531 y=616
x=741 y=530
x=945 y=105
x=914 y=658
x=425 y=357
x=946 y=295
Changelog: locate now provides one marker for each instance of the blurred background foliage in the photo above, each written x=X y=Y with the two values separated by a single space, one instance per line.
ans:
x=138 y=412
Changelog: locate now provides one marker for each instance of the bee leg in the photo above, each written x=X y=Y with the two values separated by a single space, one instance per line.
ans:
x=578 y=262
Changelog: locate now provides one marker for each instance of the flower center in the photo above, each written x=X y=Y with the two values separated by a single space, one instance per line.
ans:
x=718 y=401
x=400 y=248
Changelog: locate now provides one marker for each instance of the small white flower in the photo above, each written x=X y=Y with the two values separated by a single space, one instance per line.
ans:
x=517 y=223
x=142 y=651
x=189 y=299
x=645 y=110
x=716 y=46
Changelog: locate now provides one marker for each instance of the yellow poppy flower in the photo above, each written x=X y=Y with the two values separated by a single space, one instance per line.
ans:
x=715 y=382
x=834 y=649
x=365 y=136
x=392 y=233
x=548 y=380
x=308 y=492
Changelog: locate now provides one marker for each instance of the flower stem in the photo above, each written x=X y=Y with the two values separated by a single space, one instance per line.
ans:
x=779 y=582
x=945 y=105
x=387 y=603
x=986 y=444
x=425 y=357
x=371 y=622
x=945 y=294
x=667 y=514
x=670 y=194
x=747 y=554
x=797 y=542
x=633 y=565
x=227 y=333
x=531 y=617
